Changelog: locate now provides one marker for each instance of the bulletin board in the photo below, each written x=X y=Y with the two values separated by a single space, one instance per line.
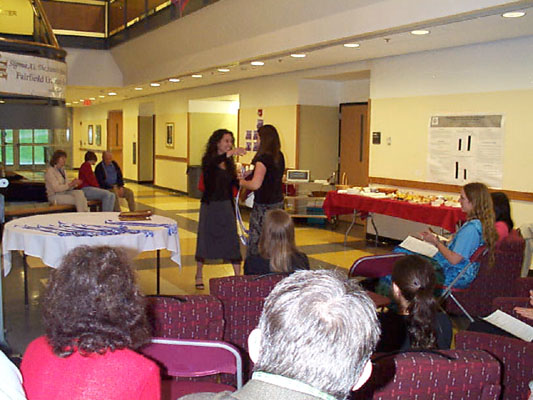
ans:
x=466 y=148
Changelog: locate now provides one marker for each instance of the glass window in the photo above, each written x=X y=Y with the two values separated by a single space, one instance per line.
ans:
x=25 y=136
x=41 y=136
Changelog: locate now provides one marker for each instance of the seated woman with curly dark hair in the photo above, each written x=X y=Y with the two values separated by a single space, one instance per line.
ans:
x=94 y=316
x=416 y=324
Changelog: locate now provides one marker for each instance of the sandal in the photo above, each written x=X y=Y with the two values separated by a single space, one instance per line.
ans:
x=199 y=284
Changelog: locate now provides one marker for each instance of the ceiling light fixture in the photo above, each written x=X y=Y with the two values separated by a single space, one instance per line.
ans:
x=74 y=102
x=196 y=75
x=298 y=55
x=67 y=104
x=155 y=84
x=257 y=63
x=3 y=101
x=92 y=98
x=112 y=94
x=138 y=88
x=513 y=14
x=174 y=80
x=351 y=45
x=223 y=70
x=420 y=32
x=101 y=96
x=81 y=100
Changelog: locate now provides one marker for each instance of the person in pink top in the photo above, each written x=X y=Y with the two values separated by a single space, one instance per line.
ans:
x=94 y=319
x=502 y=213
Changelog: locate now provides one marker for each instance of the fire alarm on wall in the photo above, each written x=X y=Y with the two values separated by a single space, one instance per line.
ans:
x=259 y=112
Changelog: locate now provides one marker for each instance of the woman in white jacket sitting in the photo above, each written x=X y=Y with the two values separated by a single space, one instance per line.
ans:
x=58 y=188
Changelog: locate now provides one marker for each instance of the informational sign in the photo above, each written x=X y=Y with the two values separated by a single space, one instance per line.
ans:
x=34 y=76
x=466 y=148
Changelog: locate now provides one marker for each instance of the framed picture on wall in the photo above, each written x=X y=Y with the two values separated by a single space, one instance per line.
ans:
x=170 y=134
x=98 y=135
x=90 y=134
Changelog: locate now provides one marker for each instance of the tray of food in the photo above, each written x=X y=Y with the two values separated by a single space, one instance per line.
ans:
x=141 y=215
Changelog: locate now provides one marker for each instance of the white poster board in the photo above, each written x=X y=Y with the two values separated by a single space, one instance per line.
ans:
x=34 y=76
x=466 y=148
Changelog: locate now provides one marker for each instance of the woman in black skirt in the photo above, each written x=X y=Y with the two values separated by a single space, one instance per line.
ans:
x=266 y=183
x=217 y=229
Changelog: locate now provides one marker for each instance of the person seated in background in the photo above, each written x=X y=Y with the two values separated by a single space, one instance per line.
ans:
x=11 y=381
x=89 y=185
x=526 y=312
x=277 y=249
x=478 y=230
x=59 y=189
x=109 y=176
x=416 y=324
x=314 y=340
x=502 y=214
x=93 y=316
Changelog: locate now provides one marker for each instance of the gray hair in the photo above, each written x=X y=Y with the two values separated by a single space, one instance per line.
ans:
x=319 y=328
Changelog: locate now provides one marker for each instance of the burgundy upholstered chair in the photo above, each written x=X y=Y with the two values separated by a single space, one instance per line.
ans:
x=242 y=299
x=186 y=317
x=374 y=266
x=507 y=304
x=498 y=281
x=424 y=375
x=515 y=355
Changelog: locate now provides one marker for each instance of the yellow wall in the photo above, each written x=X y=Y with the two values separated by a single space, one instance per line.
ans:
x=201 y=126
x=171 y=174
x=319 y=140
x=283 y=118
x=16 y=17
x=406 y=121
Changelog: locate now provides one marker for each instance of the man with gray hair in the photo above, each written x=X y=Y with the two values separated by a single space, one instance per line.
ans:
x=314 y=341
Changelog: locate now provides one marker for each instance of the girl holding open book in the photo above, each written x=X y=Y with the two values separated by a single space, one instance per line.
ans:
x=478 y=230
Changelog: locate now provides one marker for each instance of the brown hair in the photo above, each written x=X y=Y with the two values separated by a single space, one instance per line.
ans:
x=482 y=208
x=270 y=143
x=90 y=156
x=415 y=277
x=277 y=240
x=56 y=156
x=92 y=303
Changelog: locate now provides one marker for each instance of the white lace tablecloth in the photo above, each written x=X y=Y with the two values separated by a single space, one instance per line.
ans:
x=51 y=248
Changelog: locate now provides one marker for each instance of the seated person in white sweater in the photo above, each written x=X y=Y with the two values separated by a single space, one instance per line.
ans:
x=58 y=188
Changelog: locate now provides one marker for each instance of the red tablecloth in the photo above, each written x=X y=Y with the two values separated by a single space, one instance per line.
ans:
x=445 y=217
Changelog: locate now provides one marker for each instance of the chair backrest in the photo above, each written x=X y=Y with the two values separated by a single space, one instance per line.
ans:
x=242 y=299
x=195 y=358
x=422 y=375
x=496 y=281
x=374 y=266
x=515 y=355
x=186 y=317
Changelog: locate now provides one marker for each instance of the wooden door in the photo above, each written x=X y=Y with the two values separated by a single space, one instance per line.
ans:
x=145 y=164
x=114 y=136
x=354 y=144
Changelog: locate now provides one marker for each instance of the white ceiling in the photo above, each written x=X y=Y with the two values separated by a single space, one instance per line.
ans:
x=485 y=25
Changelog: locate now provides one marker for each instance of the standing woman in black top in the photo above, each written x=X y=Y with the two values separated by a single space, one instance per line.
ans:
x=266 y=183
x=217 y=229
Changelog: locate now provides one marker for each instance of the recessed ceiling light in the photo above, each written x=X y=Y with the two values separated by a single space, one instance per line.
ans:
x=67 y=104
x=174 y=80
x=82 y=100
x=101 y=96
x=420 y=32
x=298 y=55
x=138 y=88
x=92 y=98
x=155 y=84
x=2 y=101
x=223 y=70
x=513 y=14
x=351 y=45
x=196 y=75
x=257 y=63
x=74 y=102
x=112 y=94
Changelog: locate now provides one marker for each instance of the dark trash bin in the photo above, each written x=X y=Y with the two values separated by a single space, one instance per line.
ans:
x=193 y=177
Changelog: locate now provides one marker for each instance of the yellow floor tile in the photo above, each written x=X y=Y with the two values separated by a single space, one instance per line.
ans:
x=311 y=236
x=342 y=259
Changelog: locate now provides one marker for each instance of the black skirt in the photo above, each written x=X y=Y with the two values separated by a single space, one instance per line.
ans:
x=217 y=233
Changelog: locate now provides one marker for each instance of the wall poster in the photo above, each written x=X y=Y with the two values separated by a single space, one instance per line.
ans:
x=466 y=148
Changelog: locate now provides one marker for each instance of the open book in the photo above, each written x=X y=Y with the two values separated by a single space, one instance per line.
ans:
x=419 y=246
x=511 y=324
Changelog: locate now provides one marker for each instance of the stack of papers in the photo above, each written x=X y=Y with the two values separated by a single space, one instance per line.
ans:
x=511 y=324
x=419 y=246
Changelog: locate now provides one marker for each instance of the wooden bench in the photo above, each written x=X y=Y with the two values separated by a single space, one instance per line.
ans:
x=25 y=210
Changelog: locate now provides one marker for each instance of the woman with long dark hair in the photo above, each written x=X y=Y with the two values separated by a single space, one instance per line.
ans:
x=266 y=183
x=277 y=249
x=502 y=214
x=416 y=324
x=94 y=318
x=217 y=228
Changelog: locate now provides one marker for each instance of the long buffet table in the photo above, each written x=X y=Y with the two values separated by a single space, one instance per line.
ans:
x=341 y=203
